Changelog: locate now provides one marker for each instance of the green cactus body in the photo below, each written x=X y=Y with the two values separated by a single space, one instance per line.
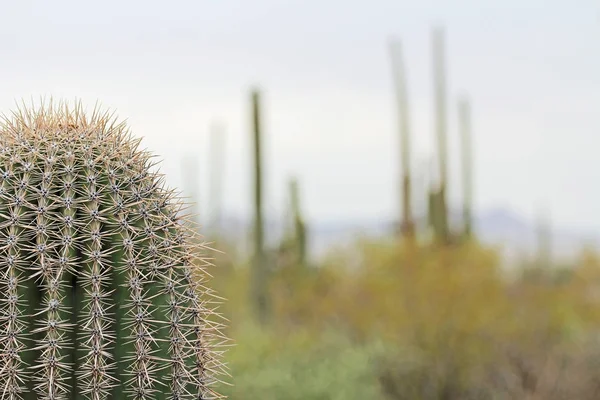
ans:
x=101 y=277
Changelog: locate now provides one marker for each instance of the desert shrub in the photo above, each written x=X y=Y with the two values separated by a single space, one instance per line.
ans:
x=304 y=366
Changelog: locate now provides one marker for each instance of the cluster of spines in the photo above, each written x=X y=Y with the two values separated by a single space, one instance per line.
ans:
x=205 y=331
x=99 y=218
x=12 y=318
x=96 y=337
x=51 y=250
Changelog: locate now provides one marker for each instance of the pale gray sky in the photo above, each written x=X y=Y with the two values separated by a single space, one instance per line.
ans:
x=531 y=69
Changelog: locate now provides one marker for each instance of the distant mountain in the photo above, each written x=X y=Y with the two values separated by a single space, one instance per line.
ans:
x=498 y=227
x=519 y=236
x=501 y=221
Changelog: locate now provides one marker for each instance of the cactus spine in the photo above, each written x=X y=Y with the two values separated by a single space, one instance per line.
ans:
x=100 y=281
x=464 y=118
x=259 y=274
x=439 y=77
x=407 y=226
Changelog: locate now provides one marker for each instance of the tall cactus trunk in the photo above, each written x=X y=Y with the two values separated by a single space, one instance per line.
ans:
x=190 y=168
x=544 y=240
x=436 y=212
x=431 y=209
x=300 y=248
x=407 y=224
x=439 y=77
x=216 y=179
x=464 y=118
x=259 y=263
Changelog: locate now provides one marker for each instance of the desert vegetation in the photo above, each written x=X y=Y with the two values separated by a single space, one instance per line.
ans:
x=428 y=312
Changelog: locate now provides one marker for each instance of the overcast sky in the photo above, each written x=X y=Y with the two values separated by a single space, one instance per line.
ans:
x=531 y=69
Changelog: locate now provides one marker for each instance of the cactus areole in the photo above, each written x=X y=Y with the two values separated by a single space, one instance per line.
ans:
x=102 y=284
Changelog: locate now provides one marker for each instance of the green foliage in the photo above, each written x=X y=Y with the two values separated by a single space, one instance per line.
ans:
x=380 y=320
x=101 y=293
x=268 y=365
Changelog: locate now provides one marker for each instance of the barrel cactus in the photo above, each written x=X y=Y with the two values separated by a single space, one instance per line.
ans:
x=102 y=281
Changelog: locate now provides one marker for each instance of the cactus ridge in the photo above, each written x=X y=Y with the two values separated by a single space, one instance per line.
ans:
x=101 y=275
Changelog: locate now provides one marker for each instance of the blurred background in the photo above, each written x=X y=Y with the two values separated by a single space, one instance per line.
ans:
x=403 y=195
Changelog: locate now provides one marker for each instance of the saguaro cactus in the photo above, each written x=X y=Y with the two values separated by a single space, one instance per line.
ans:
x=299 y=225
x=544 y=239
x=464 y=118
x=190 y=169
x=407 y=225
x=217 y=173
x=439 y=78
x=101 y=278
x=259 y=267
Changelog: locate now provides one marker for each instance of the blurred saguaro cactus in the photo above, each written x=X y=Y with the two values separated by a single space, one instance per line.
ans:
x=464 y=120
x=259 y=262
x=102 y=283
x=439 y=78
x=300 y=248
x=190 y=168
x=407 y=223
x=543 y=239
x=436 y=212
x=216 y=161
